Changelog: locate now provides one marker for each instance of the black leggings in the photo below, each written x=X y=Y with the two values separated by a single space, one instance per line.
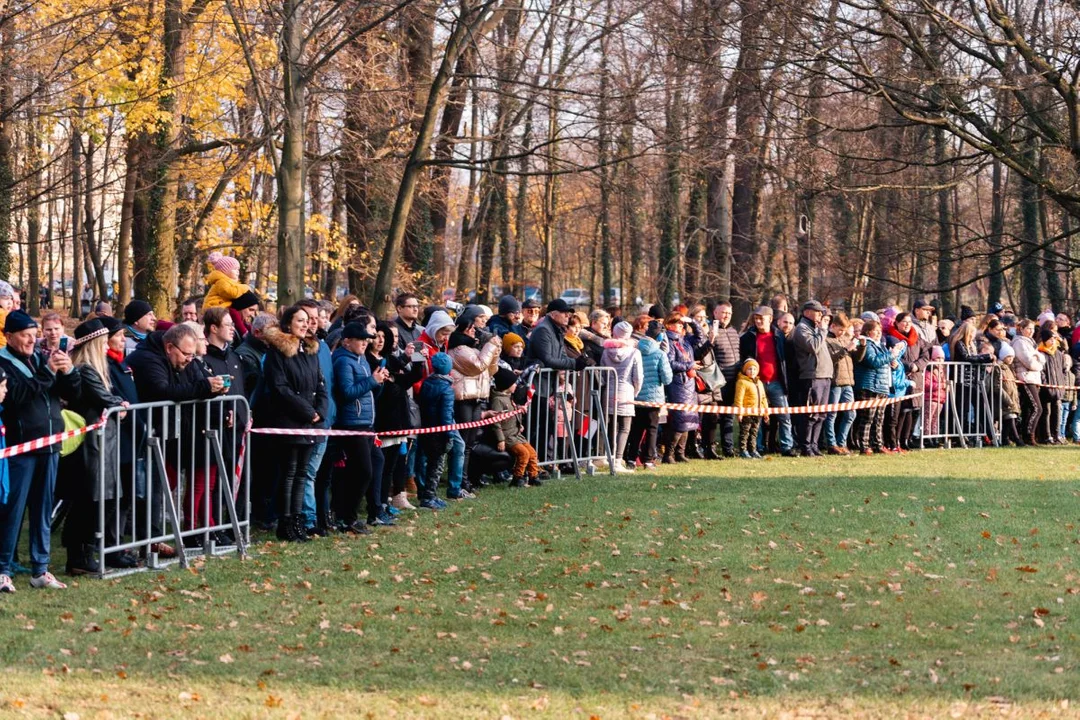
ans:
x=292 y=468
x=1032 y=407
x=643 y=428
x=352 y=484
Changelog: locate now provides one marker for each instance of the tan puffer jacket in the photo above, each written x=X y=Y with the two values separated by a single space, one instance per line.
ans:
x=473 y=369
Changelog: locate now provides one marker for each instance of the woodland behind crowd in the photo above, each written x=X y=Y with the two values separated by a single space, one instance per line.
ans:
x=631 y=148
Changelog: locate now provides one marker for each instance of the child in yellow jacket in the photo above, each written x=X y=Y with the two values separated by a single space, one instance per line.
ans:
x=750 y=395
x=224 y=281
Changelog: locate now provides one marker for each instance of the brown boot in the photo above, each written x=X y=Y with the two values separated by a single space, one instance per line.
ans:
x=410 y=486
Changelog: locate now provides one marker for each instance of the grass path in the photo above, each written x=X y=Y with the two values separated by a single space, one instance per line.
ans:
x=929 y=584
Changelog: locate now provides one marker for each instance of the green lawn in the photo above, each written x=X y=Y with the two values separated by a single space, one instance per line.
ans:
x=931 y=583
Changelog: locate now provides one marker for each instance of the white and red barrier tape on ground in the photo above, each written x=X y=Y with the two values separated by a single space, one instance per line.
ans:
x=393 y=433
x=44 y=442
x=827 y=408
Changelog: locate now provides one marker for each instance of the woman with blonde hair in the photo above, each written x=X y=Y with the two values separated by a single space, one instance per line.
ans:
x=79 y=471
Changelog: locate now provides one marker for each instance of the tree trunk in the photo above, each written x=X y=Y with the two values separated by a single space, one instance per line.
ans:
x=92 y=246
x=469 y=23
x=945 y=220
x=33 y=217
x=671 y=191
x=602 y=159
x=449 y=131
x=76 y=219
x=745 y=194
x=1030 y=268
x=290 y=180
x=997 y=231
x=7 y=149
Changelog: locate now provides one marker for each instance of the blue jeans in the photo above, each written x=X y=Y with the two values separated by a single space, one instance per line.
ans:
x=836 y=433
x=1068 y=419
x=456 y=462
x=32 y=479
x=778 y=398
x=317 y=454
x=1074 y=425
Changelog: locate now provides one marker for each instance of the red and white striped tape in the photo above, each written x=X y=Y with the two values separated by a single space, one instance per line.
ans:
x=44 y=442
x=393 y=433
x=743 y=412
x=1049 y=387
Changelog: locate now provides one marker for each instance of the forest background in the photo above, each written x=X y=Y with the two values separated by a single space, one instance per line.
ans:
x=634 y=148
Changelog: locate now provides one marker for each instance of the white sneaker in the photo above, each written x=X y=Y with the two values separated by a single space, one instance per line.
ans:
x=47 y=581
x=401 y=502
x=620 y=467
x=6 y=586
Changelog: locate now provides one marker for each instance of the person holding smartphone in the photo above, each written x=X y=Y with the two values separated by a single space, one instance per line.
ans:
x=52 y=335
x=230 y=417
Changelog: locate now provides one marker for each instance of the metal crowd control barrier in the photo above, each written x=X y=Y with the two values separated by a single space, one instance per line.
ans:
x=571 y=419
x=966 y=409
x=173 y=473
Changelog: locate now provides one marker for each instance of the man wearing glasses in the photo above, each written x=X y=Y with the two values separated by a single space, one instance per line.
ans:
x=408 y=312
x=158 y=365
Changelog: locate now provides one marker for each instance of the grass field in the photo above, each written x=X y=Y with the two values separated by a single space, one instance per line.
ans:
x=926 y=585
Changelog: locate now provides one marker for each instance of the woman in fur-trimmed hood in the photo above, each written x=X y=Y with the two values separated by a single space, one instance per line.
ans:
x=297 y=399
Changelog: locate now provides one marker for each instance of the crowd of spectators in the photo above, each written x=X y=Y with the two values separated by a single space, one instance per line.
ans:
x=316 y=366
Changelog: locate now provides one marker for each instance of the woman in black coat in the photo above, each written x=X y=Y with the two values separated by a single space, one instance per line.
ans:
x=98 y=452
x=296 y=400
x=392 y=411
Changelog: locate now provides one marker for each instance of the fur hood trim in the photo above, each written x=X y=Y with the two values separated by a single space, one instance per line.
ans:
x=287 y=344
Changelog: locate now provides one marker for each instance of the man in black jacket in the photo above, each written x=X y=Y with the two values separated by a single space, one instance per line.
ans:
x=252 y=351
x=408 y=311
x=546 y=339
x=161 y=368
x=36 y=386
x=159 y=364
x=224 y=362
x=509 y=318
x=546 y=346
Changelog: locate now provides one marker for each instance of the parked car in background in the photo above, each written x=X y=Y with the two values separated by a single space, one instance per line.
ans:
x=532 y=292
x=614 y=298
x=576 y=297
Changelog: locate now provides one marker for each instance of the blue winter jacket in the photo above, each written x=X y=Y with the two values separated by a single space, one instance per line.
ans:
x=354 y=390
x=436 y=401
x=657 y=371
x=899 y=379
x=872 y=372
x=326 y=364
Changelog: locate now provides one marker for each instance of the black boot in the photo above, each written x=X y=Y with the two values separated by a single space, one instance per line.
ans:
x=283 y=525
x=81 y=561
x=518 y=481
x=299 y=531
x=690 y=449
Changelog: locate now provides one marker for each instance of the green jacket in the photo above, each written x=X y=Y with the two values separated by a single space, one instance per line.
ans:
x=508 y=430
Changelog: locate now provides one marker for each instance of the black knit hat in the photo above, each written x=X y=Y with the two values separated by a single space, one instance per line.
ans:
x=135 y=311
x=17 y=321
x=509 y=304
x=504 y=378
x=248 y=299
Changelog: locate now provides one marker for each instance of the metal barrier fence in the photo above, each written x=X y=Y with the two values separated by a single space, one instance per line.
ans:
x=961 y=404
x=571 y=421
x=172 y=473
